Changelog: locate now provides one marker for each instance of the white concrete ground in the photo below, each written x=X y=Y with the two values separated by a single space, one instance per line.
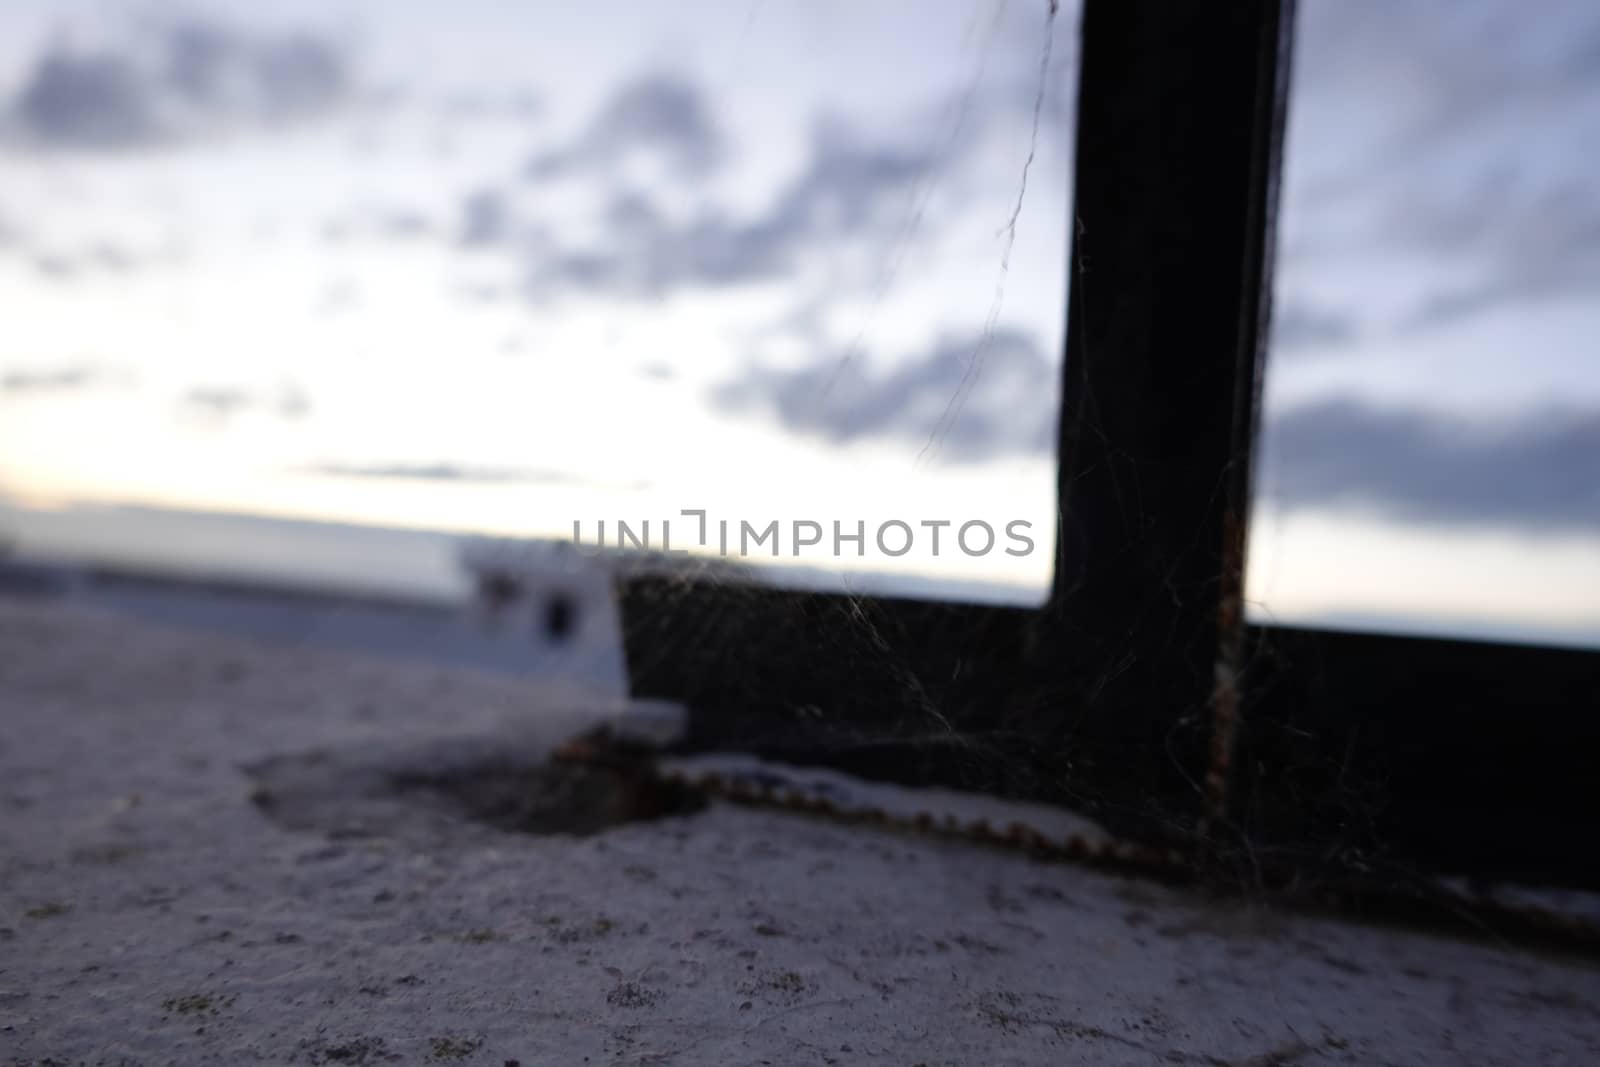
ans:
x=151 y=912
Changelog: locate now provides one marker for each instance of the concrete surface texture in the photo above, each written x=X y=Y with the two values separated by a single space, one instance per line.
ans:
x=214 y=850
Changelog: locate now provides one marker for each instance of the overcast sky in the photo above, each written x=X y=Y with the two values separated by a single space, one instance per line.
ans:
x=497 y=266
x=510 y=266
x=1432 y=441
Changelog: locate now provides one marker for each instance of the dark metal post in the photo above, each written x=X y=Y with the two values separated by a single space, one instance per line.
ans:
x=1179 y=131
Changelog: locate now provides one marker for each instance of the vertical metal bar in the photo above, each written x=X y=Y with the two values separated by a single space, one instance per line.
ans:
x=1267 y=122
x=1179 y=127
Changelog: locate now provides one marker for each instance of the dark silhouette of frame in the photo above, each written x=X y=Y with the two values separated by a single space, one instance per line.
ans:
x=1137 y=693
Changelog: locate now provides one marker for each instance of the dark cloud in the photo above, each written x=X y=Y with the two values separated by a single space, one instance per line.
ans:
x=662 y=115
x=851 y=187
x=488 y=218
x=1543 y=239
x=1450 y=305
x=457 y=472
x=1538 y=473
x=1444 y=69
x=273 y=76
x=852 y=182
x=171 y=80
x=1470 y=146
x=441 y=472
x=855 y=190
x=980 y=397
x=89 y=101
x=295 y=76
x=644 y=253
x=485 y=218
x=1299 y=327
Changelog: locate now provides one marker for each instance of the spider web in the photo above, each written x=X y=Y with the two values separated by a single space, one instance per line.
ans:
x=935 y=693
